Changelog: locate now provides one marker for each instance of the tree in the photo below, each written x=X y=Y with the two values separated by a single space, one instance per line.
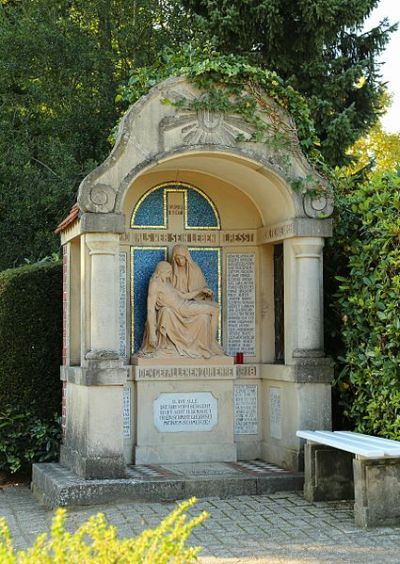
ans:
x=60 y=66
x=378 y=151
x=316 y=45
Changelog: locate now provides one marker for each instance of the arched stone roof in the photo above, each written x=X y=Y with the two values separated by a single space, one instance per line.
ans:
x=153 y=134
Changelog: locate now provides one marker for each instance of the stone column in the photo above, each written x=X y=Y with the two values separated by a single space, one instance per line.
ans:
x=308 y=253
x=104 y=295
x=93 y=440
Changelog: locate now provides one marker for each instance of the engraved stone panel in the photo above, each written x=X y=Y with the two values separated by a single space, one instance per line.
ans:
x=246 y=371
x=275 y=413
x=191 y=238
x=245 y=409
x=190 y=412
x=241 y=303
x=126 y=412
x=277 y=232
x=122 y=306
x=184 y=372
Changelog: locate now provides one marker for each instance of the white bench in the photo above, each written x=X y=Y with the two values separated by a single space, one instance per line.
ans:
x=347 y=465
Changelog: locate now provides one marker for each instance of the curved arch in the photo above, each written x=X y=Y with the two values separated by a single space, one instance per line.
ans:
x=151 y=133
x=268 y=191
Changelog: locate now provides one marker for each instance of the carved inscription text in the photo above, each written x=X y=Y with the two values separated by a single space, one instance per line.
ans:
x=190 y=412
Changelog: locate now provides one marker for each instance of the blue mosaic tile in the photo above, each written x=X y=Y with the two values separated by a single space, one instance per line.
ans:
x=144 y=262
x=150 y=213
x=200 y=213
x=209 y=261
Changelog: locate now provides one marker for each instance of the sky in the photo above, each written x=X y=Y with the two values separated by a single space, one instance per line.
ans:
x=391 y=59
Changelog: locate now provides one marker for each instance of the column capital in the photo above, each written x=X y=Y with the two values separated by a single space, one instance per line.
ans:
x=308 y=247
x=102 y=243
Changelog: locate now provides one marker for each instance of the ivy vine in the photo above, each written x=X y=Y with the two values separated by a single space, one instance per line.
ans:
x=231 y=85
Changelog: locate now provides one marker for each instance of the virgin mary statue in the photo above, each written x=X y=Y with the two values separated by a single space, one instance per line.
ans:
x=186 y=274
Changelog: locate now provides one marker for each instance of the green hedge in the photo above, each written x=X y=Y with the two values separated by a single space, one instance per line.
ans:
x=31 y=338
x=367 y=305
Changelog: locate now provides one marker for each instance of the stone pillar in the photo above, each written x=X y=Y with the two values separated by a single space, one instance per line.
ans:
x=303 y=383
x=104 y=295
x=308 y=254
x=93 y=439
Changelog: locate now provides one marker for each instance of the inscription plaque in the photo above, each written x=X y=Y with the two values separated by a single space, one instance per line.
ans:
x=277 y=232
x=190 y=237
x=246 y=370
x=189 y=412
x=241 y=303
x=275 y=413
x=126 y=412
x=187 y=238
x=184 y=373
x=122 y=305
x=245 y=409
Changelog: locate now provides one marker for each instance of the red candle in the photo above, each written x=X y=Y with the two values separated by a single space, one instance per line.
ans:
x=239 y=358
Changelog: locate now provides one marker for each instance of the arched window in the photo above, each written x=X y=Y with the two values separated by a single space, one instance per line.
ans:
x=151 y=211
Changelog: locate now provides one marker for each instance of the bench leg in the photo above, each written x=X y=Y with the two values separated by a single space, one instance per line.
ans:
x=328 y=473
x=377 y=492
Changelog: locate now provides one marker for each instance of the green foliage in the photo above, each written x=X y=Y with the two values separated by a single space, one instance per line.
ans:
x=25 y=439
x=318 y=46
x=367 y=238
x=31 y=338
x=59 y=69
x=231 y=84
x=62 y=63
x=96 y=541
x=377 y=152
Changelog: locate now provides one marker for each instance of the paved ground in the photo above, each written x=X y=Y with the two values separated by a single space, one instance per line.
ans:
x=280 y=527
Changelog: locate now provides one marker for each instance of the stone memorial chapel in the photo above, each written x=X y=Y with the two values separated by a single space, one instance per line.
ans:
x=179 y=188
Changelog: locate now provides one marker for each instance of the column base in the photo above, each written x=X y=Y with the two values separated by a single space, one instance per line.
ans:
x=95 y=467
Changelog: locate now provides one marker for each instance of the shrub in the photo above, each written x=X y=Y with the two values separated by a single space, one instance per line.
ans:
x=31 y=338
x=95 y=541
x=367 y=302
x=24 y=439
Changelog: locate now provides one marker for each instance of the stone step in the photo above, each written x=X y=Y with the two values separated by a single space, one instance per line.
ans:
x=56 y=486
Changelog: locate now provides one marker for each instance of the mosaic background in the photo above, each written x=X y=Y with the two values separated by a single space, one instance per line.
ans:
x=151 y=211
x=143 y=260
x=200 y=213
x=209 y=261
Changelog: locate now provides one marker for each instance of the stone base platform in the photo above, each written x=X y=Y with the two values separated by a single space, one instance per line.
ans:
x=54 y=485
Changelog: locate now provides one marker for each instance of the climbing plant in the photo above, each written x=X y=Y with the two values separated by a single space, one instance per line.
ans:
x=230 y=84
